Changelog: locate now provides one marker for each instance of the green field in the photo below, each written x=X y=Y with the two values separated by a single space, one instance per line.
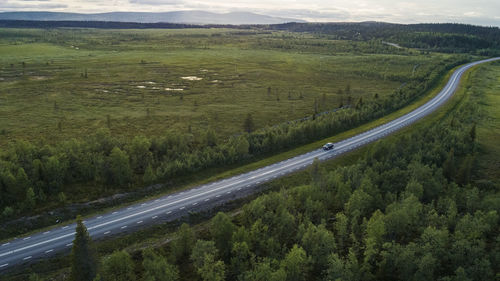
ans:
x=60 y=84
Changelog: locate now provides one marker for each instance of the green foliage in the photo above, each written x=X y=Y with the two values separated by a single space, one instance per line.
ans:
x=318 y=243
x=30 y=199
x=221 y=229
x=120 y=172
x=83 y=257
x=212 y=270
x=117 y=267
x=201 y=249
x=204 y=258
x=149 y=175
x=296 y=264
x=182 y=246
x=156 y=267
x=241 y=258
x=34 y=277
x=140 y=154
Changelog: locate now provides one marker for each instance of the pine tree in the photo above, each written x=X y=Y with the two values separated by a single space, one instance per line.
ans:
x=83 y=257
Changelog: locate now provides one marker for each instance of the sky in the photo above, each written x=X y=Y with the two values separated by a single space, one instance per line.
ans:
x=480 y=12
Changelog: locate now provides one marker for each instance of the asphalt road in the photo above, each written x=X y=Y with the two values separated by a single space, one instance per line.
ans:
x=59 y=239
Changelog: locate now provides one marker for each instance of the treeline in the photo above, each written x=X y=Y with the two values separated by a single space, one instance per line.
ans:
x=93 y=24
x=451 y=38
x=39 y=175
x=408 y=210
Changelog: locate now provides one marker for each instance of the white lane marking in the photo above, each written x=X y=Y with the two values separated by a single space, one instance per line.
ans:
x=123 y=227
x=99 y=217
x=4 y=265
x=248 y=185
x=182 y=208
x=27 y=258
x=46 y=232
x=258 y=182
x=239 y=189
x=48 y=251
x=229 y=192
x=5 y=244
x=129 y=208
x=26 y=238
x=194 y=204
x=107 y=232
x=170 y=196
x=143 y=204
x=69 y=244
x=65 y=227
x=157 y=200
x=217 y=196
x=207 y=199
x=154 y=217
x=169 y=212
x=139 y=222
x=114 y=213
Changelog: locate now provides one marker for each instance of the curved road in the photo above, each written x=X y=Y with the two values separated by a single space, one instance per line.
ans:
x=59 y=239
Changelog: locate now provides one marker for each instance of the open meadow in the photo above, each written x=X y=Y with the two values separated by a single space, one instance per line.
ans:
x=67 y=83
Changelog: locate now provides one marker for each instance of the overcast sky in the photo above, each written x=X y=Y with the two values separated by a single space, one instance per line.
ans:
x=482 y=12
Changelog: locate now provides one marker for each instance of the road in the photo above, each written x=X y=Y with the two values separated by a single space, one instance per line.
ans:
x=59 y=239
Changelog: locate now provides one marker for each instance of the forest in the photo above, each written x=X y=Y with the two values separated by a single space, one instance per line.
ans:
x=412 y=208
x=449 y=38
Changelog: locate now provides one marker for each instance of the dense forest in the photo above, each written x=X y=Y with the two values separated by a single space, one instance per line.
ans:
x=408 y=210
x=37 y=175
x=449 y=38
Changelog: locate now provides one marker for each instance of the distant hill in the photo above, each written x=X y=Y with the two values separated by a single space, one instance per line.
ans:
x=185 y=17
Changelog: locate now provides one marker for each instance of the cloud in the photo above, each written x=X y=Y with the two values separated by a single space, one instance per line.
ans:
x=157 y=2
x=30 y=5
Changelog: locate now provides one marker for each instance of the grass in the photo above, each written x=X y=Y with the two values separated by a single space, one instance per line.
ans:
x=76 y=80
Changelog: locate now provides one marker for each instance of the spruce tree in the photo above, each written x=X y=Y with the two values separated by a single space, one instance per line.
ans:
x=83 y=257
x=248 y=125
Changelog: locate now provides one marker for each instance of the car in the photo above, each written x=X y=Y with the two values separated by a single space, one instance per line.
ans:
x=328 y=146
